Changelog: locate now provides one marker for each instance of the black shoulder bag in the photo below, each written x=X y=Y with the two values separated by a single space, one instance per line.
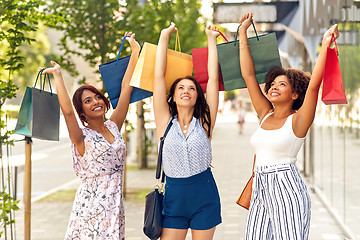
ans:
x=154 y=200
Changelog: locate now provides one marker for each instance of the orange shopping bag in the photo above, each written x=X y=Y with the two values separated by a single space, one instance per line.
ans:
x=333 y=91
x=178 y=65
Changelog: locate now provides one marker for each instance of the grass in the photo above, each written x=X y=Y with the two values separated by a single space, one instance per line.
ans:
x=137 y=195
x=132 y=195
x=135 y=167
x=61 y=196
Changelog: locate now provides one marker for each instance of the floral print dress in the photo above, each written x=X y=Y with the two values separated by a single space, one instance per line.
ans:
x=98 y=209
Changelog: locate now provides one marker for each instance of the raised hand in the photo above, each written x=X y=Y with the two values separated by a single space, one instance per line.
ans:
x=333 y=30
x=169 y=30
x=135 y=46
x=54 y=70
x=212 y=31
x=245 y=21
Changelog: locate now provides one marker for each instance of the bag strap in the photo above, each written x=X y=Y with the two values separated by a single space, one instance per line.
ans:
x=237 y=31
x=48 y=77
x=122 y=43
x=333 y=40
x=37 y=77
x=253 y=165
x=42 y=84
x=221 y=34
x=177 y=41
x=159 y=162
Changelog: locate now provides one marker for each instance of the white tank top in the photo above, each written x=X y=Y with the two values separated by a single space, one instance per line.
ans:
x=278 y=146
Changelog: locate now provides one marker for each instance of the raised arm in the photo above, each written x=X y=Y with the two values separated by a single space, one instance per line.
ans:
x=119 y=114
x=212 y=89
x=306 y=113
x=75 y=131
x=161 y=108
x=261 y=104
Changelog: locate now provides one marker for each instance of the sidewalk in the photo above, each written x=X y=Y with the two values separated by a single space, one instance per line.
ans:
x=232 y=161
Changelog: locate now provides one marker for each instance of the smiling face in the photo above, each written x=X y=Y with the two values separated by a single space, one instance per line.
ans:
x=281 y=90
x=185 y=93
x=93 y=105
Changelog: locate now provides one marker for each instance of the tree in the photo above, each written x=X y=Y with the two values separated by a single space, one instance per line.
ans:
x=147 y=19
x=91 y=26
x=34 y=55
x=17 y=20
x=97 y=27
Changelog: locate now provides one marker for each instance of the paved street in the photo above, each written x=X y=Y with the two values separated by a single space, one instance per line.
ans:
x=233 y=157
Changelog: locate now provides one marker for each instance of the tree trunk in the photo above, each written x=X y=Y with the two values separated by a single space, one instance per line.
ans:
x=140 y=135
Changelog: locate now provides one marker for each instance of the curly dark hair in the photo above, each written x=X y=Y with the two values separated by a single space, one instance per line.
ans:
x=201 y=111
x=299 y=81
x=77 y=101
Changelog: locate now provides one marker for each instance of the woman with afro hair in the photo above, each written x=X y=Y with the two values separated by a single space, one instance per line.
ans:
x=280 y=203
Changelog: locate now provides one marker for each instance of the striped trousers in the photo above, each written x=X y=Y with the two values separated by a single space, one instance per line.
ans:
x=280 y=205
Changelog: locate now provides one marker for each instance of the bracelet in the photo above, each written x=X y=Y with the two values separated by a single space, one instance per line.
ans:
x=243 y=42
x=244 y=47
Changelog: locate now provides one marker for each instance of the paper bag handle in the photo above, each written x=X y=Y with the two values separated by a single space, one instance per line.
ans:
x=257 y=37
x=177 y=41
x=122 y=43
x=333 y=40
x=42 y=84
x=221 y=34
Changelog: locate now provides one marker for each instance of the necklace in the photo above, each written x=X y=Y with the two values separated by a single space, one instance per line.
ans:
x=185 y=131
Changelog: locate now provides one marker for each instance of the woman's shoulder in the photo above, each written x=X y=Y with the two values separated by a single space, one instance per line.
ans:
x=110 y=124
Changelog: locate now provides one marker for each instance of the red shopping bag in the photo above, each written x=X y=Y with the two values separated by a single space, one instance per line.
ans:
x=200 y=63
x=333 y=91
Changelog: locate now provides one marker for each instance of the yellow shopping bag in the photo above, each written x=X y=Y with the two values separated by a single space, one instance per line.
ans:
x=178 y=65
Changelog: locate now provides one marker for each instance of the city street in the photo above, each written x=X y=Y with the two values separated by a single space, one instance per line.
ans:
x=51 y=164
x=232 y=167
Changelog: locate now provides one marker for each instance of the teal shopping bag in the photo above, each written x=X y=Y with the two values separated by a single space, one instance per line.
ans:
x=264 y=51
x=39 y=114
x=112 y=74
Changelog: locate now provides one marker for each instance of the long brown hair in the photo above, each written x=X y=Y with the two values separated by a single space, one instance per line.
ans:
x=77 y=101
x=201 y=110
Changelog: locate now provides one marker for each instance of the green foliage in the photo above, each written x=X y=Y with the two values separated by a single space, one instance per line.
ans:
x=19 y=20
x=230 y=95
x=7 y=205
x=97 y=33
x=91 y=27
x=349 y=59
x=148 y=20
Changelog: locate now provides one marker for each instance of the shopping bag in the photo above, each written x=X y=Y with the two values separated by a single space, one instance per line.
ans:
x=39 y=113
x=178 y=65
x=154 y=200
x=245 y=196
x=112 y=74
x=153 y=214
x=333 y=91
x=200 y=62
x=265 y=54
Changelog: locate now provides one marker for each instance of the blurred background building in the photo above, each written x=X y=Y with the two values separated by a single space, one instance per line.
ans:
x=330 y=156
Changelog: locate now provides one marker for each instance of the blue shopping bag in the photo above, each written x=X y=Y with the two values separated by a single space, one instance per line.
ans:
x=112 y=74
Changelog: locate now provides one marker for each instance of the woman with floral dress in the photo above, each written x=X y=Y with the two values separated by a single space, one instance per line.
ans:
x=98 y=155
